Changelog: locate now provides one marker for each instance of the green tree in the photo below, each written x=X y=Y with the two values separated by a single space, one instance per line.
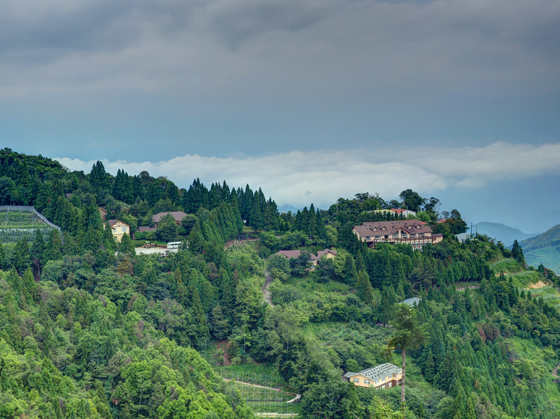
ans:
x=256 y=220
x=219 y=323
x=3 y=264
x=412 y=200
x=408 y=334
x=20 y=260
x=38 y=250
x=54 y=248
x=167 y=228
x=126 y=247
x=364 y=288
x=188 y=222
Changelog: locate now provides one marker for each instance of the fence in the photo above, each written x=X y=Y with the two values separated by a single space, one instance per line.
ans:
x=264 y=394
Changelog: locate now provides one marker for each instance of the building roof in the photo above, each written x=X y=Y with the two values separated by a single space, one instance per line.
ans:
x=375 y=228
x=178 y=215
x=441 y=220
x=375 y=373
x=322 y=253
x=112 y=222
x=140 y=229
x=295 y=253
x=412 y=301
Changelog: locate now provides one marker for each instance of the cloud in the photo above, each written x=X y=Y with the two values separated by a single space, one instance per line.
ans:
x=299 y=178
x=322 y=46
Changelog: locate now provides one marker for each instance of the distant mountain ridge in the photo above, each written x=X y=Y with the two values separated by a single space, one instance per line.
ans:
x=548 y=238
x=507 y=235
x=544 y=248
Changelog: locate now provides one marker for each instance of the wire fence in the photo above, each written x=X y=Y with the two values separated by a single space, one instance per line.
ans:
x=264 y=394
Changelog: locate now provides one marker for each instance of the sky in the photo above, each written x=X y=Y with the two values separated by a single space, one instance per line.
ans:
x=310 y=100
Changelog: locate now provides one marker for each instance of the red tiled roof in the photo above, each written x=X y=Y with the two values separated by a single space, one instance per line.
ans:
x=441 y=220
x=397 y=210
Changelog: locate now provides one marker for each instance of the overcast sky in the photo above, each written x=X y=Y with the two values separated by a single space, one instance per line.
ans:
x=312 y=100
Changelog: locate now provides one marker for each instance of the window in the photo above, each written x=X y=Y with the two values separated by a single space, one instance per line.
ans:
x=367 y=382
x=389 y=385
x=124 y=229
x=356 y=380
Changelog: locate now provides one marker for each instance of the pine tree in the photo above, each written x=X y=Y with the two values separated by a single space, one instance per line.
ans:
x=312 y=222
x=108 y=240
x=91 y=240
x=199 y=319
x=219 y=324
x=349 y=271
x=126 y=247
x=3 y=263
x=30 y=287
x=429 y=368
x=360 y=266
x=16 y=282
x=38 y=248
x=256 y=220
x=409 y=334
x=364 y=288
x=20 y=260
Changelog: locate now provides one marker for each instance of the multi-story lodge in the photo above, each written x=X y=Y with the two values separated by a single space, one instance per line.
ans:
x=381 y=377
x=413 y=232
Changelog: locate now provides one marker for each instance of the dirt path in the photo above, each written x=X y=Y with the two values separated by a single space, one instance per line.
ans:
x=555 y=371
x=537 y=285
x=266 y=293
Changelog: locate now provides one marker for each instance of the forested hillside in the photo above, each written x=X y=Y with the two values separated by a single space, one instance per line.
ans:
x=544 y=249
x=89 y=328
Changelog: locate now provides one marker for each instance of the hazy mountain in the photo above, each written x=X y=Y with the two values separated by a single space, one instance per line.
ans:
x=507 y=235
x=544 y=248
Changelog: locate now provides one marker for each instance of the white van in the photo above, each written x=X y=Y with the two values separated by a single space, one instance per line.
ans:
x=174 y=245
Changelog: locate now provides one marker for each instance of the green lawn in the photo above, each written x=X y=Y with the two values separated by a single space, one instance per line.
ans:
x=506 y=266
x=525 y=278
